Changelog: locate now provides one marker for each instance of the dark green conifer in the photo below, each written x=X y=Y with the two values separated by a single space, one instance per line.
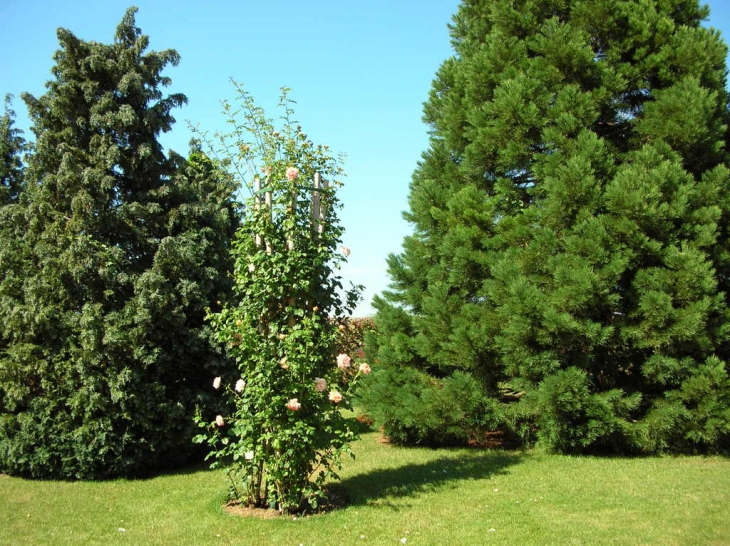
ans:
x=13 y=250
x=106 y=349
x=12 y=148
x=571 y=224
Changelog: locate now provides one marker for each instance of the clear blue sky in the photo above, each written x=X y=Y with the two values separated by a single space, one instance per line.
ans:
x=359 y=71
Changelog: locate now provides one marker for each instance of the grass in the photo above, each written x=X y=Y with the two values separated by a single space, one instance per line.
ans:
x=429 y=497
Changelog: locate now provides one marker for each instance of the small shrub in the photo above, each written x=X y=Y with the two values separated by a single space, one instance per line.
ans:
x=414 y=408
x=352 y=332
x=571 y=419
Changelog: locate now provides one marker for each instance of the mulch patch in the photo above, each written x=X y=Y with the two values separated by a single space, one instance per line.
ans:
x=480 y=440
x=336 y=498
x=490 y=440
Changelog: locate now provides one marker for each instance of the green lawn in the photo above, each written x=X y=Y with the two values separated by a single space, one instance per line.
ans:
x=457 y=496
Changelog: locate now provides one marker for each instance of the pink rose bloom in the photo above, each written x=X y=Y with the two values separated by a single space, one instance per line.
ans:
x=293 y=404
x=345 y=251
x=217 y=383
x=240 y=384
x=343 y=361
x=320 y=384
x=335 y=397
x=292 y=173
x=219 y=420
x=365 y=368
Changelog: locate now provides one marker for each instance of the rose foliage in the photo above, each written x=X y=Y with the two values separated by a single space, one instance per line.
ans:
x=284 y=433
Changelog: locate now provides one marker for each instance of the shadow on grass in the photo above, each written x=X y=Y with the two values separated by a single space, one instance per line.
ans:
x=360 y=425
x=385 y=486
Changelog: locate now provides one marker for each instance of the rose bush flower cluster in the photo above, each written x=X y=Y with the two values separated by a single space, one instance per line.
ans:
x=352 y=369
x=343 y=361
x=284 y=434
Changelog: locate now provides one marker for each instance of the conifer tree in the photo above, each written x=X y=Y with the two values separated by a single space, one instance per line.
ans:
x=12 y=248
x=106 y=349
x=12 y=147
x=571 y=225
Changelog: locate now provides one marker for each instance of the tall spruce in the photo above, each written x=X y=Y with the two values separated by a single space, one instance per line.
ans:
x=106 y=350
x=571 y=231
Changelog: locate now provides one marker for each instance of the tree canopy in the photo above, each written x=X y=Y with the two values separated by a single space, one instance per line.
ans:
x=118 y=250
x=569 y=265
x=12 y=147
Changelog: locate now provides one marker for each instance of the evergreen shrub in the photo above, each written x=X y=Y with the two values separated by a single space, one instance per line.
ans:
x=110 y=256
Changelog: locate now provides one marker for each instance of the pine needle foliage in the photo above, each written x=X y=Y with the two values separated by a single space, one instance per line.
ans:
x=571 y=226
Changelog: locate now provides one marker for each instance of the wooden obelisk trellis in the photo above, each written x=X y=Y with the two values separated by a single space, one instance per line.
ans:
x=263 y=198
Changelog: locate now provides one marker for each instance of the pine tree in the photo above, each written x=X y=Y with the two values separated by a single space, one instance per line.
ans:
x=571 y=224
x=107 y=352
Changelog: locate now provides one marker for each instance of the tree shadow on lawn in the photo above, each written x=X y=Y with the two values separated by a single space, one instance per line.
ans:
x=384 y=486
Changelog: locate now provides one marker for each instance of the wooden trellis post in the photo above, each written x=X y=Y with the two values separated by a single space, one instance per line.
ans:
x=269 y=212
x=260 y=240
x=318 y=208
x=293 y=212
x=257 y=206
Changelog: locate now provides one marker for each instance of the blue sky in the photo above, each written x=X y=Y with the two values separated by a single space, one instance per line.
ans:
x=359 y=71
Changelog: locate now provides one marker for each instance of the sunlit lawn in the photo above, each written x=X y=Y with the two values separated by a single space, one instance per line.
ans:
x=456 y=496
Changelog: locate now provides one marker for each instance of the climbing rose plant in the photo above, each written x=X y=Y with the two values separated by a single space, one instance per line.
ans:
x=285 y=433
